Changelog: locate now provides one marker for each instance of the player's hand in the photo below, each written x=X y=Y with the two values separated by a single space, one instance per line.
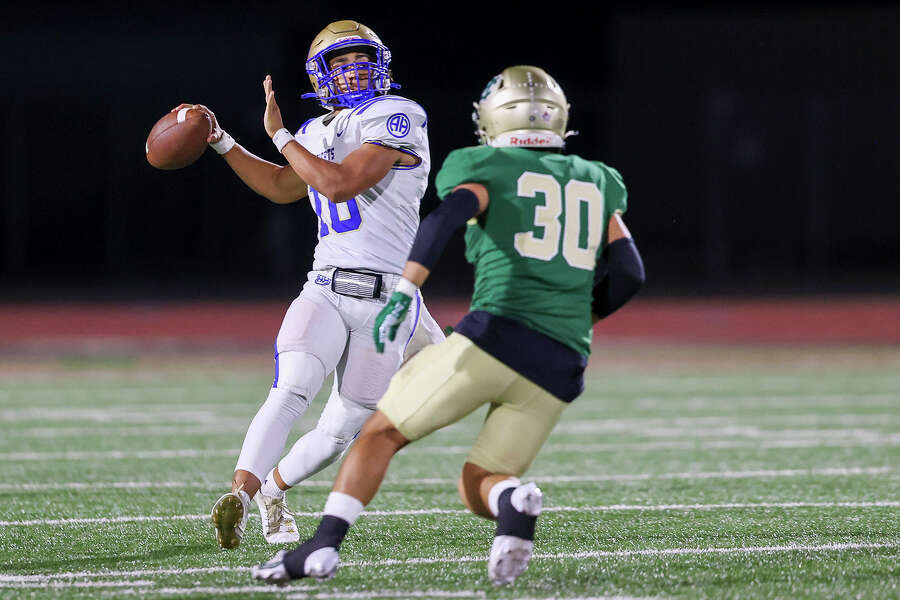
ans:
x=216 y=133
x=389 y=319
x=272 y=118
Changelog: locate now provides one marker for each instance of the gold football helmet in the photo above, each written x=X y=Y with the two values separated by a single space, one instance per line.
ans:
x=338 y=38
x=522 y=106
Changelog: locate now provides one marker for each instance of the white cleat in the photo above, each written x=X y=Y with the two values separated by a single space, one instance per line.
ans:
x=322 y=564
x=510 y=554
x=229 y=516
x=278 y=524
x=509 y=558
x=272 y=571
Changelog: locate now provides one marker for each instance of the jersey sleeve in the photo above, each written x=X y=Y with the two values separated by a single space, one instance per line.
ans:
x=616 y=194
x=466 y=165
x=396 y=123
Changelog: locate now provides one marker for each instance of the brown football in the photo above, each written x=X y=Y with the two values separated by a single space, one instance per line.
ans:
x=178 y=139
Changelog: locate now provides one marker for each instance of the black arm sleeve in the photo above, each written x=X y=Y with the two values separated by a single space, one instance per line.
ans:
x=435 y=230
x=624 y=277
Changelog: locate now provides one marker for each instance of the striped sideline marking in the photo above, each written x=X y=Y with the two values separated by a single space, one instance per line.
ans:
x=449 y=511
x=551 y=448
x=836 y=547
x=31 y=487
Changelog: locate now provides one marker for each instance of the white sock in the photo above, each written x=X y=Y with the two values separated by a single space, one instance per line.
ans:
x=268 y=431
x=343 y=506
x=494 y=494
x=309 y=455
x=270 y=488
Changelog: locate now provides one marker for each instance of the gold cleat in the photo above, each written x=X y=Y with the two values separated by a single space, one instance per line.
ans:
x=229 y=517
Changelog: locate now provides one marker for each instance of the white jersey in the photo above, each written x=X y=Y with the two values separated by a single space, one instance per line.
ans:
x=375 y=230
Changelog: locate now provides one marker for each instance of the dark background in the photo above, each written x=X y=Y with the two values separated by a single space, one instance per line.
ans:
x=760 y=145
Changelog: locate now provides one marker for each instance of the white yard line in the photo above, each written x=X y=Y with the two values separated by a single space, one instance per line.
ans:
x=119 y=414
x=836 y=547
x=702 y=427
x=693 y=422
x=764 y=473
x=449 y=511
x=155 y=412
x=119 y=454
x=224 y=426
x=543 y=479
x=887 y=440
x=76 y=584
x=777 y=400
x=294 y=591
x=644 y=552
x=554 y=447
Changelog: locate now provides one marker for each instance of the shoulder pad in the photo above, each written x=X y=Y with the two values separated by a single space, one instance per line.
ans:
x=383 y=106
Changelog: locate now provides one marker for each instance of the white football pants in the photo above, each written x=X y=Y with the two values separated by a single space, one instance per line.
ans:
x=325 y=332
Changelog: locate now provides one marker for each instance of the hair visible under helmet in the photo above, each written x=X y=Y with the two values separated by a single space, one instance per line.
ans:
x=522 y=106
x=338 y=38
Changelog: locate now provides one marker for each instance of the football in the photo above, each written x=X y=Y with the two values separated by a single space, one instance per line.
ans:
x=178 y=139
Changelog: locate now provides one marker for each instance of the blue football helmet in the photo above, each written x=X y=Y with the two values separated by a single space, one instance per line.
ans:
x=339 y=38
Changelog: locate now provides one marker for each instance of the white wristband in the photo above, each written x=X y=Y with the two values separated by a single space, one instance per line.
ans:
x=225 y=143
x=281 y=138
x=405 y=286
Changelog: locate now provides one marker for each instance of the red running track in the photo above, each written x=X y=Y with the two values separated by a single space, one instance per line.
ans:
x=858 y=320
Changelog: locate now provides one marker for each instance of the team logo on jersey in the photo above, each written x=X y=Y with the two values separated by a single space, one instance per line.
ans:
x=322 y=280
x=398 y=125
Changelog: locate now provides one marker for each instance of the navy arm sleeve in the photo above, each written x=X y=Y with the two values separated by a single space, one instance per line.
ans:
x=436 y=229
x=624 y=277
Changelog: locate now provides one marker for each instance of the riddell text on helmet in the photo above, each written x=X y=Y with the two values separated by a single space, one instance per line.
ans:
x=530 y=140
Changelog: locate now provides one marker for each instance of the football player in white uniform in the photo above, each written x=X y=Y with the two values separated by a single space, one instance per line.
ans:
x=364 y=166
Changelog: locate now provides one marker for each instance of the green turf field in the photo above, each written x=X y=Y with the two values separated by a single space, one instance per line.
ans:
x=721 y=484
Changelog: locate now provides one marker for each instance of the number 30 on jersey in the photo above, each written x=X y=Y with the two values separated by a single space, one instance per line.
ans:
x=578 y=250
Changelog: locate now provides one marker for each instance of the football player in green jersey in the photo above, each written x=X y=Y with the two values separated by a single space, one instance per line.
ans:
x=539 y=222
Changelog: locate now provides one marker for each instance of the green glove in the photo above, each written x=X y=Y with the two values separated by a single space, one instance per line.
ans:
x=389 y=319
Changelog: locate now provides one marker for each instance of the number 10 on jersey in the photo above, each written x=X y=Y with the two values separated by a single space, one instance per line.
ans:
x=581 y=255
x=339 y=218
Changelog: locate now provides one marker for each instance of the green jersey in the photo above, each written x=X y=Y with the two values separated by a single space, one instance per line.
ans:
x=535 y=248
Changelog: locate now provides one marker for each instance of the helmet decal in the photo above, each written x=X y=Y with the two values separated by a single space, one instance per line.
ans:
x=491 y=87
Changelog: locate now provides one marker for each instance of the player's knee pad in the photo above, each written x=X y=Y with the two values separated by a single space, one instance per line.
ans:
x=299 y=373
x=331 y=445
x=342 y=419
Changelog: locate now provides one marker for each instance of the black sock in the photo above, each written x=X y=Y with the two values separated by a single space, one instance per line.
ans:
x=330 y=534
x=512 y=522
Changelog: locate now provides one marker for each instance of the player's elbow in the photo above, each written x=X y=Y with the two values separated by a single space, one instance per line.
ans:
x=634 y=277
x=628 y=274
x=280 y=198
x=279 y=195
x=338 y=189
x=339 y=195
